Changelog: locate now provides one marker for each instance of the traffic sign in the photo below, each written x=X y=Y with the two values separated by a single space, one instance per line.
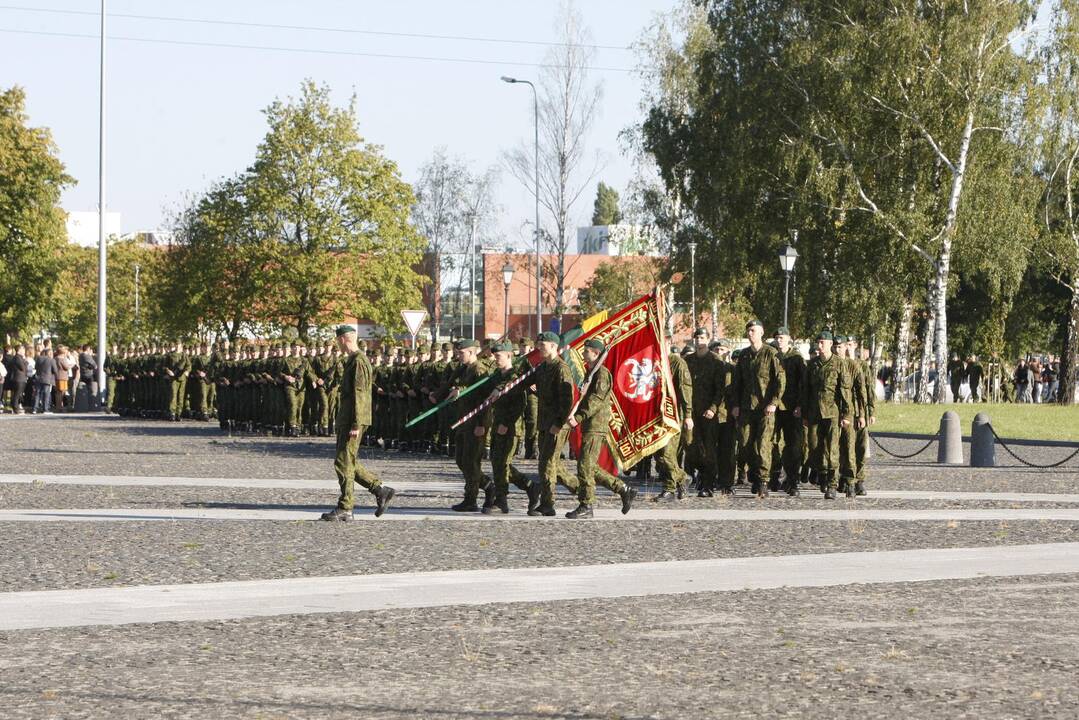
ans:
x=413 y=319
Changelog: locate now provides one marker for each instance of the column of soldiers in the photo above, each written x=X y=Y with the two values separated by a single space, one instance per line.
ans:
x=292 y=388
x=765 y=416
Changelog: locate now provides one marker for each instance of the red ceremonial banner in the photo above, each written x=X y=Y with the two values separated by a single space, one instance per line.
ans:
x=644 y=415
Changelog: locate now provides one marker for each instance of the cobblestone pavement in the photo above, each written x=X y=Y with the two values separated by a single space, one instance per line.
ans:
x=986 y=648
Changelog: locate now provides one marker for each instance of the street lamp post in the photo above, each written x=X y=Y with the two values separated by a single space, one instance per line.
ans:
x=102 y=294
x=693 y=282
x=507 y=278
x=535 y=163
x=787 y=257
x=137 y=268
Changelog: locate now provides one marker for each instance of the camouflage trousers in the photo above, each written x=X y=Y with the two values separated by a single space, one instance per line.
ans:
x=589 y=472
x=350 y=471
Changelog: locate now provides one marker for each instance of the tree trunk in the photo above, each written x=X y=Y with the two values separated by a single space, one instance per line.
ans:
x=928 y=333
x=436 y=297
x=902 y=352
x=944 y=259
x=1069 y=358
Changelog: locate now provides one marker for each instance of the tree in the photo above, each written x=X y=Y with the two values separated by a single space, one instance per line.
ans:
x=437 y=215
x=336 y=215
x=32 y=233
x=618 y=281
x=220 y=263
x=1060 y=167
x=568 y=103
x=605 y=210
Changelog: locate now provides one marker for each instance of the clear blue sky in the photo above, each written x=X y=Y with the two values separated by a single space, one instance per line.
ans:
x=181 y=117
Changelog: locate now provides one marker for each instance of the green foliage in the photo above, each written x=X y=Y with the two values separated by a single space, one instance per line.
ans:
x=336 y=215
x=619 y=281
x=32 y=234
x=605 y=210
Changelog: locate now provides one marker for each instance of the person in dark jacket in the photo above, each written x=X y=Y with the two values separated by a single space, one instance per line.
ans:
x=18 y=371
x=88 y=372
x=44 y=380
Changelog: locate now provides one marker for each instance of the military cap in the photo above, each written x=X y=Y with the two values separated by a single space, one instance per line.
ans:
x=675 y=349
x=548 y=337
x=447 y=346
x=825 y=334
x=407 y=352
x=467 y=343
x=724 y=343
x=700 y=332
x=784 y=330
x=344 y=329
x=715 y=344
x=504 y=346
x=753 y=322
x=525 y=341
x=595 y=344
x=840 y=338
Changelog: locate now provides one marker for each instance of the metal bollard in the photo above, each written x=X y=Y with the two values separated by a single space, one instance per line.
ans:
x=950 y=440
x=982 y=442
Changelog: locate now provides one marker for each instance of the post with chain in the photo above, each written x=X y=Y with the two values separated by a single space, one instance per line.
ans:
x=982 y=442
x=950 y=445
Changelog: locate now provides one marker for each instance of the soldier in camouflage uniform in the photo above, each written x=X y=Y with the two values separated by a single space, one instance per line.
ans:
x=199 y=382
x=593 y=416
x=176 y=367
x=758 y=388
x=706 y=375
x=788 y=431
x=848 y=439
x=354 y=414
x=524 y=346
x=554 y=393
x=470 y=435
x=505 y=420
x=670 y=471
x=826 y=408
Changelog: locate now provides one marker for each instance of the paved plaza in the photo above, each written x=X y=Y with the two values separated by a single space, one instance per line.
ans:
x=168 y=570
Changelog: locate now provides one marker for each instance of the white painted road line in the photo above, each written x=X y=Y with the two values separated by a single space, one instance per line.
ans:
x=454 y=486
x=403 y=512
x=360 y=593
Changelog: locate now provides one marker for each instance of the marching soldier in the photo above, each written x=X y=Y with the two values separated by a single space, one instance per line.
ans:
x=706 y=373
x=524 y=346
x=593 y=416
x=506 y=422
x=758 y=388
x=470 y=435
x=788 y=417
x=554 y=400
x=670 y=471
x=826 y=408
x=354 y=414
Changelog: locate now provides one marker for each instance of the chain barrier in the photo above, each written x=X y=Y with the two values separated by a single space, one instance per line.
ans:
x=1024 y=462
x=900 y=456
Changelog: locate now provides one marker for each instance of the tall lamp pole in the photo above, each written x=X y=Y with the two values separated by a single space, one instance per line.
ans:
x=535 y=164
x=101 y=248
x=787 y=257
x=693 y=282
x=137 y=298
x=507 y=278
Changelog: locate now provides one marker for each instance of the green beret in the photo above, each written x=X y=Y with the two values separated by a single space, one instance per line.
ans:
x=700 y=332
x=549 y=337
x=753 y=322
x=675 y=350
x=467 y=343
x=595 y=344
x=447 y=346
x=525 y=341
x=504 y=346
x=825 y=334
x=783 y=331
x=715 y=345
x=344 y=329
x=840 y=338
x=724 y=343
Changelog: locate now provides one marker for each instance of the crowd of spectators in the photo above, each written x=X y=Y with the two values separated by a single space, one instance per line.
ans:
x=42 y=379
x=1033 y=379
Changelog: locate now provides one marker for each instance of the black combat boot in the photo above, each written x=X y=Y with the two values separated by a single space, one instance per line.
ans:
x=383 y=496
x=338 y=515
x=530 y=449
x=665 y=496
x=502 y=503
x=580 y=512
x=533 y=496
x=488 y=496
x=627 y=496
x=466 y=506
x=773 y=484
x=859 y=488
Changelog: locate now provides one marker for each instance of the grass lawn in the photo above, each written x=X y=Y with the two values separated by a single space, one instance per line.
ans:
x=1035 y=422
